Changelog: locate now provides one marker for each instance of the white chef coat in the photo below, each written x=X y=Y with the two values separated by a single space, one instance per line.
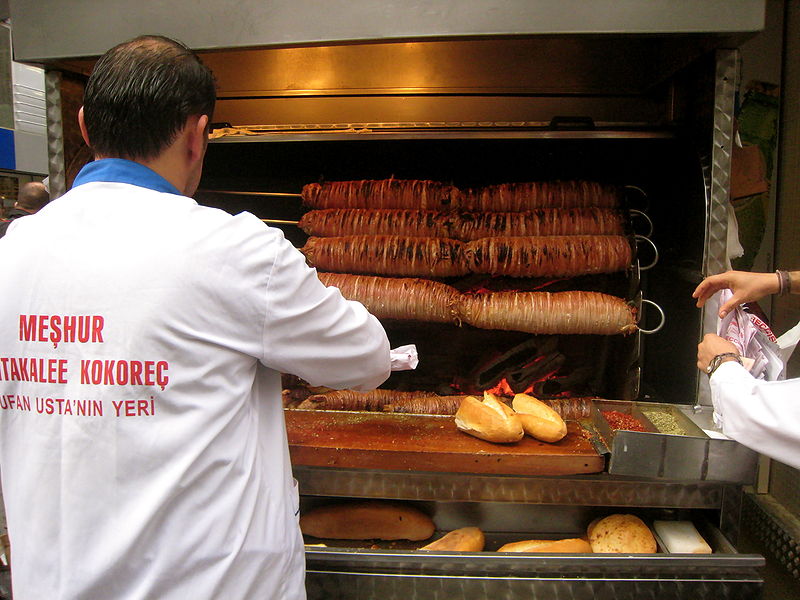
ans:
x=762 y=415
x=142 y=442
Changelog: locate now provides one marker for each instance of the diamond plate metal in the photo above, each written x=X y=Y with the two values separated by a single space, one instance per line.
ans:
x=767 y=521
x=715 y=252
x=55 y=134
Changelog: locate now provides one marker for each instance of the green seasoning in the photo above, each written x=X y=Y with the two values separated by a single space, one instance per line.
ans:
x=664 y=420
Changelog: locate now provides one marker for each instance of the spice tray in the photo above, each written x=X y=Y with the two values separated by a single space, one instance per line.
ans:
x=675 y=442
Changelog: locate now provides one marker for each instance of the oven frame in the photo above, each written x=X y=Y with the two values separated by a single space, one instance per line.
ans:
x=359 y=575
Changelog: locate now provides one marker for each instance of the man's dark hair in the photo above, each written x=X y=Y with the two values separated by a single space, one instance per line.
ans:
x=32 y=196
x=140 y=94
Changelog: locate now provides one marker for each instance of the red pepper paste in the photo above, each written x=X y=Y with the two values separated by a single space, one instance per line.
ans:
x=619 y=420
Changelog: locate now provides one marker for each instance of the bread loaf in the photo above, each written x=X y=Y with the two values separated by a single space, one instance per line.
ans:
x=539 y=420
x=621 y=534
x=568 y=545
x=490 y=420
x=368 y=520
x=466 y=539
x=591 y=525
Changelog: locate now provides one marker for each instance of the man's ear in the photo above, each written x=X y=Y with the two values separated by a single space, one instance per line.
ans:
x=82 y=125
x=198 y=138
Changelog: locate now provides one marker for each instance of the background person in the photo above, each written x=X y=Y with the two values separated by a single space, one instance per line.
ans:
x=762 y=415
x=32 y=196
x=143 y=449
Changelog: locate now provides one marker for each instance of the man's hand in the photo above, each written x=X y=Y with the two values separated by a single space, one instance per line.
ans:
x=712 y=345
x=746 y=287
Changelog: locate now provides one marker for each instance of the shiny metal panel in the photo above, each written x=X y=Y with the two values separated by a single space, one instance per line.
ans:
x=335 y=132
x=323 y=585
x=334 y=573
x=48 y=29
x=443 y=111
x=575 y=65
x=692 y=457
x=715 y=258
x=441 y=67
x=446 y=487
x=486 y=563
x=681 y=457
x=784 y=486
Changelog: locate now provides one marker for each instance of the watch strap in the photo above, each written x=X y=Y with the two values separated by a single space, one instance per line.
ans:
x=715 y=362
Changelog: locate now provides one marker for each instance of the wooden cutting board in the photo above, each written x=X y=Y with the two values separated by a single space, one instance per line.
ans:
x=428 y=443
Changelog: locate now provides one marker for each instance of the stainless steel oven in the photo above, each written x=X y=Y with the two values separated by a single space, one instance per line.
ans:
x=474 y=99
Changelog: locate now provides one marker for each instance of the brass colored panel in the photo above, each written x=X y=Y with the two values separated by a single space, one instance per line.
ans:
x=619 y=65
x=520 y=65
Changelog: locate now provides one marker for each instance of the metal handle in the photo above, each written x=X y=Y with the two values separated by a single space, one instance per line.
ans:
x=279 y=222
x=643 y=194
x=639 y=213
x=655 y=251
x=660 y=311
x=240 y=193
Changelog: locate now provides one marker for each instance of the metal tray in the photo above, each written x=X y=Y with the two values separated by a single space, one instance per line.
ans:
x=426 y=443
x=362 y=573
x=695 y=456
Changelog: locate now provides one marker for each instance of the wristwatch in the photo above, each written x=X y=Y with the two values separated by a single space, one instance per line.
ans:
x=719 y=359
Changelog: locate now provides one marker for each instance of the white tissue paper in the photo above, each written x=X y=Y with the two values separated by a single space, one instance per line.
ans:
x=734 y=246
x=404 y=358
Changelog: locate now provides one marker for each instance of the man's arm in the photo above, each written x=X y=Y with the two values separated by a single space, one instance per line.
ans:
x=746 y=287
x=311 y=331
x=762 y=415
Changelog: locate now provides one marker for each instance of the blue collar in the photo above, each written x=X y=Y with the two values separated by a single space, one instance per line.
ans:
x=119 y=170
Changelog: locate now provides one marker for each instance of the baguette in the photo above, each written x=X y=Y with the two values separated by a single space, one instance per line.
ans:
x=368 y=520
x=539 y=420
x=621 y=534
x=466 y=539
x=569 y=545
x=490 y=420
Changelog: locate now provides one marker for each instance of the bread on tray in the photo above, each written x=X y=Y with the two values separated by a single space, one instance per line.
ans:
x=367 y=520
x=491 y=420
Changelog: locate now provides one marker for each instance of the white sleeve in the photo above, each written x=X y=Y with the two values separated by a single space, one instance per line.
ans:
x=762 y=415
x=311 y=331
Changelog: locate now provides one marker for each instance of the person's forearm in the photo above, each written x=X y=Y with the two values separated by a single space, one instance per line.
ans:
x=788 y=282
x=794 y=279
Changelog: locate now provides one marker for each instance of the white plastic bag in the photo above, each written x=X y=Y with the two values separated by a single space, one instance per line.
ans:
x=787 y=343
x=762 y=353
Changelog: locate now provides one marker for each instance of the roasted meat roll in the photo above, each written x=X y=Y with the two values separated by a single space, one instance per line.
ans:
x=387 y=255
x=549 y=313
x=409 y=299
x=549 y=256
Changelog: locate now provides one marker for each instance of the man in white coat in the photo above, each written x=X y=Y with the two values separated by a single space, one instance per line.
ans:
x=762 y=415
x=142 y=442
